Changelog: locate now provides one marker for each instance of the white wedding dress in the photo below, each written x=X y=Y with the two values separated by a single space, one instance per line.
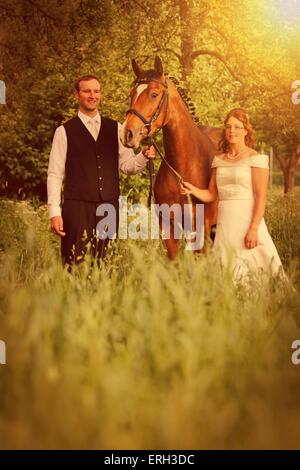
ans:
x=235 y=208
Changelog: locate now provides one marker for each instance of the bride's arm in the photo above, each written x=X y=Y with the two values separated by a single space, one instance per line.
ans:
x=260 y=178
x=205 y=195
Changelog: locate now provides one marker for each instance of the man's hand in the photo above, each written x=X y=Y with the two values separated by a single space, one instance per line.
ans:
x=57 y=225
x=149 y=152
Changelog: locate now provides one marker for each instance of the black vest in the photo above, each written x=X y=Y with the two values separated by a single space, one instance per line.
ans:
x=92 y=168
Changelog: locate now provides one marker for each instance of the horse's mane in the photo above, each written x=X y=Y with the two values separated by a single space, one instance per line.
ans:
x=211 y=132
x=186 y=99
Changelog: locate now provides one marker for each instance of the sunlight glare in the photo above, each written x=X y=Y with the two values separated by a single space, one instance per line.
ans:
x=288 y=11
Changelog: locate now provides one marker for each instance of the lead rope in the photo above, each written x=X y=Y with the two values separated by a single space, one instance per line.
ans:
x=151 y=141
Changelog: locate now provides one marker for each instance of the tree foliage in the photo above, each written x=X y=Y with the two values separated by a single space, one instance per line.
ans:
x=237 y=53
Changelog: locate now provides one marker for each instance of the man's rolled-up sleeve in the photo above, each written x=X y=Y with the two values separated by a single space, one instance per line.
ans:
x=56 y=171
x=129 y=163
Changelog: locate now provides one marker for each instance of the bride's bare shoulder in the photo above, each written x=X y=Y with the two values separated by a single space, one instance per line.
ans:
x=221 y=156
x=252 y=153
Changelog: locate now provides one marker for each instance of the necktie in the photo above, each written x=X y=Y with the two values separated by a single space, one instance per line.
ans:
x=93 y=128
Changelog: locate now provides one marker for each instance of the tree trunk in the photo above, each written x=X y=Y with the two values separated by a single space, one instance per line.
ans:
x=288 y=166
x=187 y=41
x=289 y=180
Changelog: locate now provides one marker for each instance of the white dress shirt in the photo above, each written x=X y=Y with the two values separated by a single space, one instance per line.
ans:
x=129 y=163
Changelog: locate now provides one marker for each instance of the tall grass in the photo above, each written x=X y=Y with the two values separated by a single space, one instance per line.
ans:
x=145 y=353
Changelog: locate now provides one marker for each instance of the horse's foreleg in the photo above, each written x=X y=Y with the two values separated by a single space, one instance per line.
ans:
x=172 y=243
x=193 y=226
x=172 y=246
x=210 y=220
x=213 y=212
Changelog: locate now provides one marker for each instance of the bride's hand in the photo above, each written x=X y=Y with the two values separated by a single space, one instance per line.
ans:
x=186 y=188
x=251 y=238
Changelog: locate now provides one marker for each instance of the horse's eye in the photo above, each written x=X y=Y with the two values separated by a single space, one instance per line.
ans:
x=154 y=95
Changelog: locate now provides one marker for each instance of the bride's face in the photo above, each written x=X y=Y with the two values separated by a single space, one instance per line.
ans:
x=235 y=131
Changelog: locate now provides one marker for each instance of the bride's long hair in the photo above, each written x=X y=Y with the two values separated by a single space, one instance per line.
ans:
x=241 y=115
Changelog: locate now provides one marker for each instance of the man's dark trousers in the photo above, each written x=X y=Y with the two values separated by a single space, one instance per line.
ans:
x=80 y=224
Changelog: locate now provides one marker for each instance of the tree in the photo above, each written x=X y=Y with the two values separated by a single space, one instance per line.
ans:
x=288 y=164
x=54 y=43
x=249 y=62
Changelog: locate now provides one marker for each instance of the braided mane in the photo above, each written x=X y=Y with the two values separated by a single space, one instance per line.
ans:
x=186 y=99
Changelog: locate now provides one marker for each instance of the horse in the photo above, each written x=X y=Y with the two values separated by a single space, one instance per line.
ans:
x=189 y=148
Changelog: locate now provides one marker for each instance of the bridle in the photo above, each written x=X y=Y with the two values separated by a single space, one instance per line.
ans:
x=164 y=99
x=148 y=124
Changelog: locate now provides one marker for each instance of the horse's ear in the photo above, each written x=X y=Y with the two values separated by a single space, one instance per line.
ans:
x=158 y=66
x=136 y=68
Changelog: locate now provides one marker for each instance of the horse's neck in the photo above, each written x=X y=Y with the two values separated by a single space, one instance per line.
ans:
x=180 y=131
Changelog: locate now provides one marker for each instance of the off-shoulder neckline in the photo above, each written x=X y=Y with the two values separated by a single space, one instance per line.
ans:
x=242 y=159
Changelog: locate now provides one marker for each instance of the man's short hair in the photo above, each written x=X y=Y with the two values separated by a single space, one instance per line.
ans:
x=84 y=78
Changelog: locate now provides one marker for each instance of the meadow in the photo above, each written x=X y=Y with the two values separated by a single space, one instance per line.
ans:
x=145 y=353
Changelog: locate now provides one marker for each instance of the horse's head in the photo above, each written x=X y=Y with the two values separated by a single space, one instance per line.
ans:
x=149 y=104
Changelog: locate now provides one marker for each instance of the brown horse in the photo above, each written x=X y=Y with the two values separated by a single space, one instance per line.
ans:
x=189 y=149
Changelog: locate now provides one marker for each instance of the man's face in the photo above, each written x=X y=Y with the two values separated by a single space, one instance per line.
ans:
x=88 y=96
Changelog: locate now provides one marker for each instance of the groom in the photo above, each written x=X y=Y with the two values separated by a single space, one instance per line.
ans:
x=86 y=155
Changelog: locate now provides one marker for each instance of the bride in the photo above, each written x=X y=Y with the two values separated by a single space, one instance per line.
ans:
x=239 y=180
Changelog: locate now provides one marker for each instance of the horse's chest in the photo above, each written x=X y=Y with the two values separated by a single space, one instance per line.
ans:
x=167 y=191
